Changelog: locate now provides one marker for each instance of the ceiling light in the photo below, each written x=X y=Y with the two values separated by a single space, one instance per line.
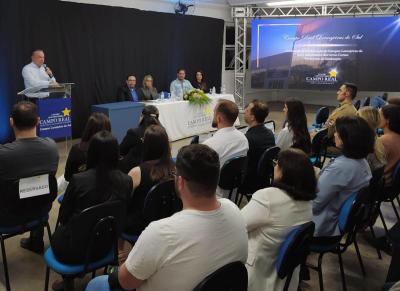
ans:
x=305 y=2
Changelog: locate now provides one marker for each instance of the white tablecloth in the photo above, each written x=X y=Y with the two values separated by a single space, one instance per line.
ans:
x=182 y=120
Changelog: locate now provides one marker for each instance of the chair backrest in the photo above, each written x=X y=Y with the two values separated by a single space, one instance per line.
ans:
x=322 y=115
x=231 y=277
x=265 y=171
x=351 y=212
x=367 y=102
x=195 y=140
x=357 y=104
x=396 y=177
x=95 y=231
x=318 y=147
x=24 y=210
x=233 y=173
x=161 y=201
x=295 y=249
x=270 y=124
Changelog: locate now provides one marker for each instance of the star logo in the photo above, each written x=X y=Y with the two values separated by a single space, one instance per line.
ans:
x=66 y=112
x=208 y=111
x=333 y=73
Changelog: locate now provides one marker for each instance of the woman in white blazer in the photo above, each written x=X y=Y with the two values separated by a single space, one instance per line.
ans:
x=271 y=215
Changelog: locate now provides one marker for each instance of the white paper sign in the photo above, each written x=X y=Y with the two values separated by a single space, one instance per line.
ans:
x=34 y=186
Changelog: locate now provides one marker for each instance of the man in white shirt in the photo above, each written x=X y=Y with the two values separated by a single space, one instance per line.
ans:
x=177 y=253
x=36 y=74
x=180 y=86
x=228 y=142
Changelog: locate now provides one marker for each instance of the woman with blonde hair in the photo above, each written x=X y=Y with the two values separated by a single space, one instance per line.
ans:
x=148 y=91
x=378 y=158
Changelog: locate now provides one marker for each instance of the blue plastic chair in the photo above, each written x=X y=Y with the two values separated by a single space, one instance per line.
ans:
x=97 y=230
x=60 y=198
x=318 y=148
x=351 y=214
x=321 y=117
x=293 y=251
x=11 y=231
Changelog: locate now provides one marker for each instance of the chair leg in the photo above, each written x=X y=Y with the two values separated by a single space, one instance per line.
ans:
x=5 y=265
x=359 y=256
x=398 y=200
x=374 y=237
x=395 y=210
x=287 y=283
x=230 y=194
x=46 y=282
x=93 y=274
x=383 y=222
x=69 y=284
x=240 y=199
x=321 y=280
x=342 y=270
x=48 y=230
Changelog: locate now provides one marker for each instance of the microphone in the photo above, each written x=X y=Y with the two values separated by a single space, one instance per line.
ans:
x=46 y=68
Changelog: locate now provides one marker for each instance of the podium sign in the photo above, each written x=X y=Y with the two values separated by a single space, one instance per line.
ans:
x=55 y=117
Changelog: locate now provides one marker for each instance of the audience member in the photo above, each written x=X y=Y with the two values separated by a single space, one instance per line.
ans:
x=345 y=95
x=131 y=147
x=77 y=157
x=377 y=159
x=390 y=123
x=228 y=142
x=199 y=82
x=272 y=213
x=148 y=91
x=102 y=182
x=344 y=175
x=157 y=165
x=260 y=138
x=128 y=91
x=180 y=86
x=206 y=235
x=27 y=156
x=295 y=133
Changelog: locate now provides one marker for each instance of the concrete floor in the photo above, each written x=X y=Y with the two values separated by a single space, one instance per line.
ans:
x=27 y=270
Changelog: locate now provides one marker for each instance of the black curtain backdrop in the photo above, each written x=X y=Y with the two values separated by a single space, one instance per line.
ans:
x=96 y=46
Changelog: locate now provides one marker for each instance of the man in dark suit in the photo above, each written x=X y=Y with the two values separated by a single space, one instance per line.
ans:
x=260 y=138
x=128 y=91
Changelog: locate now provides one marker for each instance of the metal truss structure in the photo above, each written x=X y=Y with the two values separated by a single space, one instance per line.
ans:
x=243 y=15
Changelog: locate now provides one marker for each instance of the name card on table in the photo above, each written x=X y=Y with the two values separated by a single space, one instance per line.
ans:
x=34 y=186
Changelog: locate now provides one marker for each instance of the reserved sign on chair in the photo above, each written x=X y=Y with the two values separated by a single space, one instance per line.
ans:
x=34 y=186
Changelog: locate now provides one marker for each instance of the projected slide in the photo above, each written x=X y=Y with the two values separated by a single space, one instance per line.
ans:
x=322 y=53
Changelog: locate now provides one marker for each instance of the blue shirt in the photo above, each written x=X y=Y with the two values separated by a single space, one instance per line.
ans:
x=180 y=88
x=339 y=179
x=35 y=76
x=134 y=95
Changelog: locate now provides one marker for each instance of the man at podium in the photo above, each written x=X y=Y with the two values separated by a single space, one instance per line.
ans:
x=38 y=74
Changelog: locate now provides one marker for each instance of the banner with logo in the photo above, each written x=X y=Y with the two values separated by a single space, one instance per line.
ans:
x=55 y=117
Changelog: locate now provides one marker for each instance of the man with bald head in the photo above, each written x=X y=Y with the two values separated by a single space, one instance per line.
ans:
x=37 y=74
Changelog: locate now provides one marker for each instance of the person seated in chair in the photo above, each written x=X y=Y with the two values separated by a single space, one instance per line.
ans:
x=344 y=175
x=228 y=142
x=148 y=91
x=157 y=166
x=131 y=147
x=345 y=95
x=273 y=212
x=27 y=156
x=259 y=137
x=178 y=252
x=390 y=123
x=128 y=91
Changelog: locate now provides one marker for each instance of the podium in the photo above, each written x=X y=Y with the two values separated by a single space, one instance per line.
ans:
x=122 y=115
x=54 y=112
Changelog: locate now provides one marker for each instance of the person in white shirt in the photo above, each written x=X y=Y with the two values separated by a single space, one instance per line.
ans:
x=228 y=142
x=37 y=74
x=272 y=213
x=177 y=253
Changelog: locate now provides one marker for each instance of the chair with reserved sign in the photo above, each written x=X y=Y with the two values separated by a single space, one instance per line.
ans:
x=28 y=201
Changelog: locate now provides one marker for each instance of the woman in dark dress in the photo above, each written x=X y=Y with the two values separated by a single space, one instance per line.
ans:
x=100 y=183
x=131 y=148
x=157 y=166
x=76 y=161
x=199 y=82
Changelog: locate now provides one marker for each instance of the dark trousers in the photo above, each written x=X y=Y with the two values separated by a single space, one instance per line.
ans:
x=394 y=268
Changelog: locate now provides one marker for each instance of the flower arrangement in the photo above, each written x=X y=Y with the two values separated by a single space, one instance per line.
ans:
x=197 y=97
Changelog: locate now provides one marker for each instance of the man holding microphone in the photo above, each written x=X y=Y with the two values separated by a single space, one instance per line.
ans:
x=38 y=74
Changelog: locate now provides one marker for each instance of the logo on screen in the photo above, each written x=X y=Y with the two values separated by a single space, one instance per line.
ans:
x=329 y=78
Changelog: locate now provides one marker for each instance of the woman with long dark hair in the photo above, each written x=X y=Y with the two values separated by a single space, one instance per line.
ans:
x=295 y=134
x=101 y=182
x=273 y=212
x=131 y=148
x=157 y=165
x=76 y=161
x=199 y=81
